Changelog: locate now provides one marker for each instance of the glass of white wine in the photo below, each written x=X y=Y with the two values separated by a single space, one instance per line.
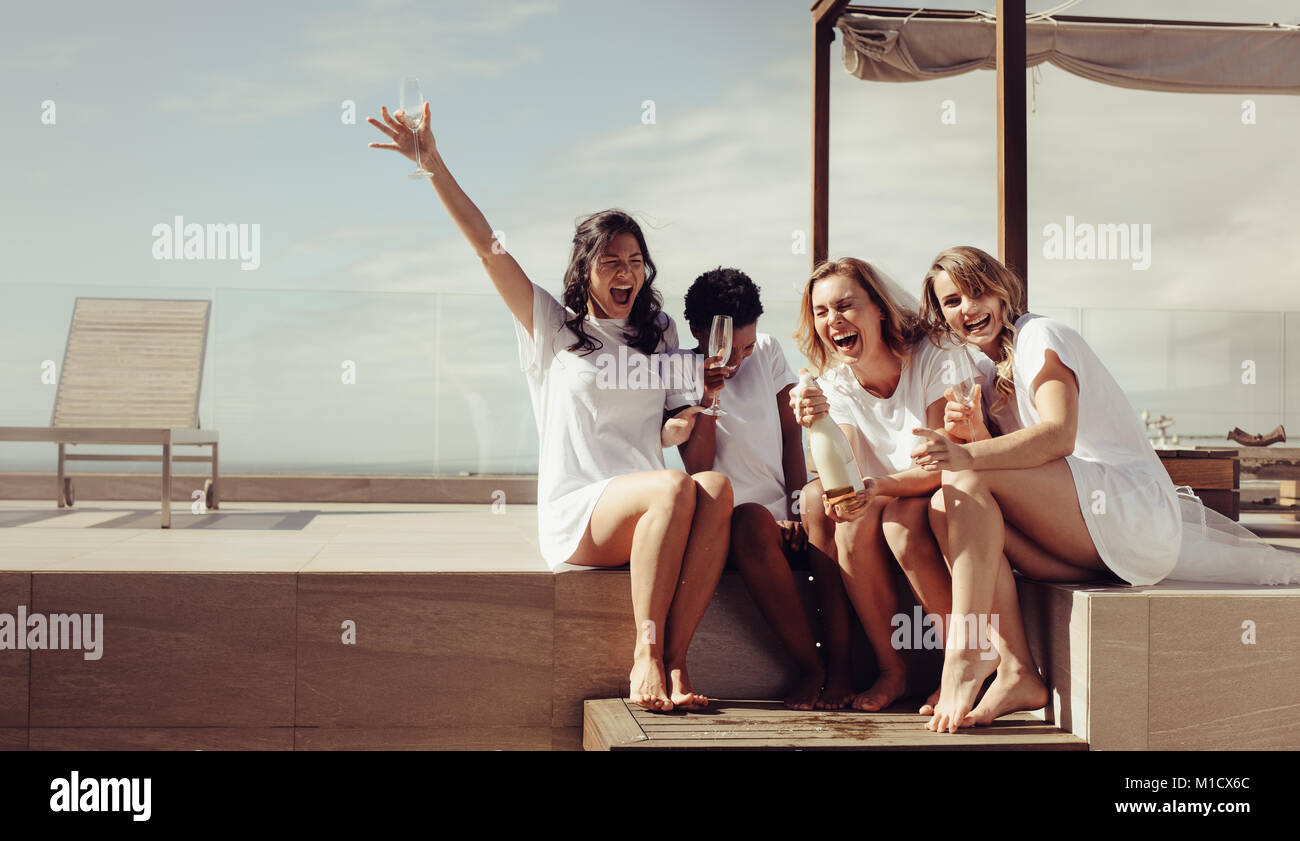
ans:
x=719 y=348
x=412 y=105
x=964 y=387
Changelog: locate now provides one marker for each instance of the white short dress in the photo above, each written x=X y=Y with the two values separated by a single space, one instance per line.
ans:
x=1125 y=494
x=598 y=415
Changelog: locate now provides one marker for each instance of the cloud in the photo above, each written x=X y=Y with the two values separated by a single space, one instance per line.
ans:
x=335 y=55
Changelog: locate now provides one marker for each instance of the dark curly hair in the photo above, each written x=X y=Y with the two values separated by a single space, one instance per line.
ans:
x=645 y=328
x=722 y=292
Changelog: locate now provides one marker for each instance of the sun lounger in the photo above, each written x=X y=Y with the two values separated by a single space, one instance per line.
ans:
x=131 y=375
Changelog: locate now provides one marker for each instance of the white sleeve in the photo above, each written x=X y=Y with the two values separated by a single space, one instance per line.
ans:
x=778 y=368
x=936 y=362
x=687 y=390
x=669 y=340
x=1034 y=339
x=548 y=321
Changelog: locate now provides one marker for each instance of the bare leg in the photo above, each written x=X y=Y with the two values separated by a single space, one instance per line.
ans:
x=702 y=563
x=867 y=567
x=756 y=550
x=644 y=519
x=906 y=524
x=835 y=610
x=1042 y=503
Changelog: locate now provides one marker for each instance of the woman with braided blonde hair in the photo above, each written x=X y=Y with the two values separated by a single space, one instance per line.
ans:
x=1076 y=494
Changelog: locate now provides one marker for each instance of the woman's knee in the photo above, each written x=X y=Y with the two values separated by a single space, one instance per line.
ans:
x=861 y=537
x=811 y=510
x=965 y=481
x=675 y=492
x=715 y=486
x=752 y=525
x=903 y=520
x=938 y=513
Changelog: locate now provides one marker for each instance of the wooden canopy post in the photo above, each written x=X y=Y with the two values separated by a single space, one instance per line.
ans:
x=824 y=14
x=1013 y=204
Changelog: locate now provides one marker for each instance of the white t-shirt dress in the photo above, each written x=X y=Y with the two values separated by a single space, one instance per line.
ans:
x=597 y=416
x=887 y=422
x=749 y=445
x=1125 y=494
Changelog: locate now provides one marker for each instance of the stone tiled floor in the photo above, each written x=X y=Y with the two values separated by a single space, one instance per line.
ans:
x=269 y=537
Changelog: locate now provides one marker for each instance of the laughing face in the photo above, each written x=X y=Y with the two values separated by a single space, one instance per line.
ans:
x=846 y=319
x=617 y=276
x=977 y=320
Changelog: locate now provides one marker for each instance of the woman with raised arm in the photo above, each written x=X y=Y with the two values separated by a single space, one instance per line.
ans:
x=604 y=498
x=881 y=376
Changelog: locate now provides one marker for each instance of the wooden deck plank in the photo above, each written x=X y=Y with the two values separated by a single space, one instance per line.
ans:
x=936 y=741
x=608 y=725
x=755 y=725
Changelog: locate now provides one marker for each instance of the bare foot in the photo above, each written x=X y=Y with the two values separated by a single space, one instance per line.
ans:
x=807 y=688
x=647 y=679
x=964 y=672
x=889 y=687
x=682 y=695
x=837 y=693
x=1010 y=693
x=928 y=707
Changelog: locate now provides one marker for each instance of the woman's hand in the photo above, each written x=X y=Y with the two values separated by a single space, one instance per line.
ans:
x=793 y=535
x=677 y=429
x=403 y=137
x=965 y=423
x=808 y=404
x=715 y=379
x=938 y=453
x=835 y=512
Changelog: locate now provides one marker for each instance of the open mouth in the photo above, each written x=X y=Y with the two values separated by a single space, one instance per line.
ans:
x=845 y=341
x=621 y=295
x=975 y=325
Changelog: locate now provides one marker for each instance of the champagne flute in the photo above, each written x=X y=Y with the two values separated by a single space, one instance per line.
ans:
x=964 y=372
x=412 y=105
x=719 y=346
x=964 y=387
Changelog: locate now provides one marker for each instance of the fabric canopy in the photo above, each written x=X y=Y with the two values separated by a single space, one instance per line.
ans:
x=1183 y=59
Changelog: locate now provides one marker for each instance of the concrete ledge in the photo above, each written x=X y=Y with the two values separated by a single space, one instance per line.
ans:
x=1169 y=667
x=250 y=487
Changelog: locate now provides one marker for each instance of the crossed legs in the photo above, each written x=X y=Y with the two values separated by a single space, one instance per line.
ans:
x=1049 y=537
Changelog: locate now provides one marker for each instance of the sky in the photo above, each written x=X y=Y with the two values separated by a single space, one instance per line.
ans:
x=238 y=114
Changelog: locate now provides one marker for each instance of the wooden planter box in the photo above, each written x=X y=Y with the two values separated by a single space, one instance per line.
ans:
x=1213 y=475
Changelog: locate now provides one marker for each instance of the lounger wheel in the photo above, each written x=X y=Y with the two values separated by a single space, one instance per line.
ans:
x=208 y=488
x=67 y=491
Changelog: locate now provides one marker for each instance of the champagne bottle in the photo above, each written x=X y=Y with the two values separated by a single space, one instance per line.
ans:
x=833 y=458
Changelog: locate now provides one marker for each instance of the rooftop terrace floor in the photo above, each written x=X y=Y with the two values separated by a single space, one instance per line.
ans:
x=102 y=536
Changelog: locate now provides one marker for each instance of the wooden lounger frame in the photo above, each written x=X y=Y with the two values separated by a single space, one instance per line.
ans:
x=131 y=374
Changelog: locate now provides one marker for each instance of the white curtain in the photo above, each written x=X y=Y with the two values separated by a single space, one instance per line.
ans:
x=1183 y=59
